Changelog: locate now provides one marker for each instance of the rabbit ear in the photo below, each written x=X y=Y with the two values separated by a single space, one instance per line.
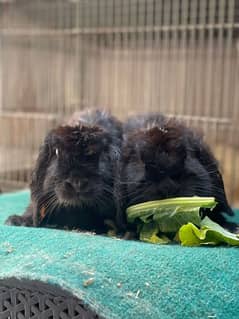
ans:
x=41 y=165
x=207 y=159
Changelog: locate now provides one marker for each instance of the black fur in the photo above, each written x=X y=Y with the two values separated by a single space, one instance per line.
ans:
x=162 y=158
x=72 y=183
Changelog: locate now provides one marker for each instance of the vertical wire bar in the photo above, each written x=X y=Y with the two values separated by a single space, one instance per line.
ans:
x=132 y=49
x=122 y=76
x=61 y=73
x=150 y=24
x=15 y=174
x=218 y=95
x=118 y=70
x=202 y=9
x=176 y=62
x=163 y=105
x=138 y=59
x=98 y=55
x=234 y=165
x=158 y=9
x=82 y=54
x=78 y=76
x=74 y=98
x=185 y=55
x=150 y=21
x=167 y=56
x=46 y=44
x=5 y=84
x=193 y=59
x=235 y=131
x=209 y=103
x=228 y=92
x=29 y=126
x=108 y=58
x=126 y=57
x=145 y=82
x=50 y=50
x=9 y=145
x=75 y=68
x=116 y=54
x=102 y=50
x=168 y=66
x=102 y=68
x=22 y=160
x=94 y=77
x=65 y=93
x=58 y=63
x=148 y=49
x=228 y=65
x=90 y=79
x=93 y=72
x=33 y=123
x=81 y=23
x=45 y=109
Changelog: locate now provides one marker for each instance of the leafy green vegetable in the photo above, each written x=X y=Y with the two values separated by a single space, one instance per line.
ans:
x=179 y=218
x=210 y=234
x=171 y=221
x=149 y=233
x=144 y=210
x=169 y=215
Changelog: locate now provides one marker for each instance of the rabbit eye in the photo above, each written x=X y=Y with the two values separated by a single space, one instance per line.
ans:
x=90 y=152
x=57 y=152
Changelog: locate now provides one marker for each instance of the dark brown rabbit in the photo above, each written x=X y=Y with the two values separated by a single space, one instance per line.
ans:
x=162 y=158
x=72 y=183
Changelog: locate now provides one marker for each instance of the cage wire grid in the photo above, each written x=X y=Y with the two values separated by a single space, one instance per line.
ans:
x=179 y=57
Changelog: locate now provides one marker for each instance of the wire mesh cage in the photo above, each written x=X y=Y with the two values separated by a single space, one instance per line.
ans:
x=179 y=57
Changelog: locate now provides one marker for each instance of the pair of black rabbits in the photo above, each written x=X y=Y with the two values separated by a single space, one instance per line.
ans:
x=91 y=169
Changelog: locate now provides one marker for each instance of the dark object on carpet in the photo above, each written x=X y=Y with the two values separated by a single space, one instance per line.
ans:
x=72 y=183
x=27 y=299
x=162 y=158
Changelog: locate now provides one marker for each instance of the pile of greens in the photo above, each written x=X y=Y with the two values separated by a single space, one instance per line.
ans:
x=179 y=219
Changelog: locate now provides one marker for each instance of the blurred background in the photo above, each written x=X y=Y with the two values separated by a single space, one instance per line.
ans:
x=180 y=57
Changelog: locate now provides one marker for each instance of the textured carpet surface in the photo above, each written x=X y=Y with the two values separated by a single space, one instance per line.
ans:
x=130 y=279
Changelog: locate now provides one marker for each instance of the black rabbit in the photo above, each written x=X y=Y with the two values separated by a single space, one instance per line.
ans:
x=72 y=184
x=162 y=158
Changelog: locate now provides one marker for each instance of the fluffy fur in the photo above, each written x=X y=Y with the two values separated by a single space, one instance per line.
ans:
x=72 y=183
x=162 y=158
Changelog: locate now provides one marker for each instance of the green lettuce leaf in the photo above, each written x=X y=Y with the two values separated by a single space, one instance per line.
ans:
x=169 y=214
x=147 y=209
x=170 y=222
x=210 y=233
x=150 y=233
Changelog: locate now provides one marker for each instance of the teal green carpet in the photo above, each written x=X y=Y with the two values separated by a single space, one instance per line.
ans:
x=131 y=279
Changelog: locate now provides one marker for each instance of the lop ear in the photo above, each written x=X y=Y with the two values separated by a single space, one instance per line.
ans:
x=207 y=159
x=43 y=159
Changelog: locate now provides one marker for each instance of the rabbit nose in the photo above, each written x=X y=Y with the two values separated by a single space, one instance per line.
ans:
x=75 y=184
x=68 y=185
